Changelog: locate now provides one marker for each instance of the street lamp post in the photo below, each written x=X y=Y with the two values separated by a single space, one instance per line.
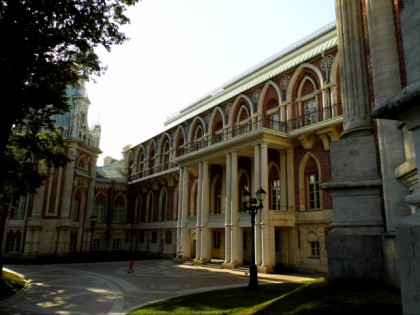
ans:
x=93 y=219
x=252 y=205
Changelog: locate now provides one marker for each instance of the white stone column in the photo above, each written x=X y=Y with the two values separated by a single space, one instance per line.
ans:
x=181 y=192
x=256 y=186
x=199 y=210
x=235 y=246
x=205 y=205
x=267 y=245
x=228 y=205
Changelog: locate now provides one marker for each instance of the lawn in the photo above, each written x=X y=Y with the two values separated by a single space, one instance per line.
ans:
x=314 y=297
x=10 y=284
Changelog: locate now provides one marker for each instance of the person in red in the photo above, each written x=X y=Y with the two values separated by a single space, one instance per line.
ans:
x=131 y=267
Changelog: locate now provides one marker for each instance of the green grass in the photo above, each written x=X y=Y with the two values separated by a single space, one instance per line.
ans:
x=10 y=284
x=314 y=297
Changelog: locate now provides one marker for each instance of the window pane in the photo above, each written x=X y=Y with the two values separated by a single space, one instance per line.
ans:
x=310 y=112
x=313 y=191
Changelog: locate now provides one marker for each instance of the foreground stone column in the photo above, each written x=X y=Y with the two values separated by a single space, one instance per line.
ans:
x=354 y=243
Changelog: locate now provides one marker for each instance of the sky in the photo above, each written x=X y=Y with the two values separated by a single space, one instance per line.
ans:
x=180 y=50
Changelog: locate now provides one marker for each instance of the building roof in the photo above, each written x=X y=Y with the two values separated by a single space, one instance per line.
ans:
x=303 y=50
x=112 y=172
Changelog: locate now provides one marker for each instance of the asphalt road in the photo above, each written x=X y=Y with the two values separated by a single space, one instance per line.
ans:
x=108 y=288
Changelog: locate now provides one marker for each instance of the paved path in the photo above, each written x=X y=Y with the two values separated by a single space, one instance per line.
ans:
x=107 y=288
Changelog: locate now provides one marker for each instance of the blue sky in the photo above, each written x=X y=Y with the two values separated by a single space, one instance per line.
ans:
x=179 y=50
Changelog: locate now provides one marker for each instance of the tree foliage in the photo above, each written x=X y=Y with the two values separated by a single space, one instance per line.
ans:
x=46 y=45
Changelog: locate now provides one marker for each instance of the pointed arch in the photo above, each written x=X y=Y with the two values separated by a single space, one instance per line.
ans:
x=216 y=195
x=164 y=137
x=265 y=94
x=274 y=183
x=196 y=123
x=151 y=156
x=305 y=93
x=100 y=207
x=217 y=123
x=78 y=204
x=310 y=197
x=119 y=209
x=244 y=182
x=180 y=140
x=192 y=211
x=298 y=73
x=163 y=205
x=241 y=100
x=137 y=208
x=149 y=206
x=175 y=203
x=83 y=163
x=130 y=163
x=164 y=151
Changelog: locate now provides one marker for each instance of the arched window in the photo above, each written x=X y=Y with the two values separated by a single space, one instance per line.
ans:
x=217 y=196
x=312 y=185
x=165 y=155
x=163 y=206
x=308 y=101
x=141 y=164
x=152 y=158
x=243 y=120
x=75 y=206
x=180 y=143
x=198 y=138
x=217 y=129
x=244 y=184
x=149 y=217
x=82 y=163
x=194 y=195
x=175 y=207
x=275 y=185
x=118 y=212
x=137 y=209
x=100 y=208
x=18 y=213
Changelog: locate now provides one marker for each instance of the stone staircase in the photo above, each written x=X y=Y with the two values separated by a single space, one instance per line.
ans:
x=217 y=264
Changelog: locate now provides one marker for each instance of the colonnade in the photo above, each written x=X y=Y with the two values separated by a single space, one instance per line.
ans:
x=233 y=254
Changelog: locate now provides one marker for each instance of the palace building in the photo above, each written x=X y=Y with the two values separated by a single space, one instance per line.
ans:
x=328 y=128
x=270 y=127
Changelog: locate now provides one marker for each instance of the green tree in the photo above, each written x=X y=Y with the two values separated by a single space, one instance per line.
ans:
x=45 y=46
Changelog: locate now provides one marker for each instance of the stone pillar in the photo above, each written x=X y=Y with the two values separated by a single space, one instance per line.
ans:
x=354 y=243
x=235 y=246
x=180 y=209
x=185 y=242
x=179 y=216
x=199 y=210
x=205 y=205
x=267 y=245
x=228 y=205
x=256 y=186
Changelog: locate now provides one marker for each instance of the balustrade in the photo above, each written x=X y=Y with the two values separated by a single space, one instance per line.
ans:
x=310 y=118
